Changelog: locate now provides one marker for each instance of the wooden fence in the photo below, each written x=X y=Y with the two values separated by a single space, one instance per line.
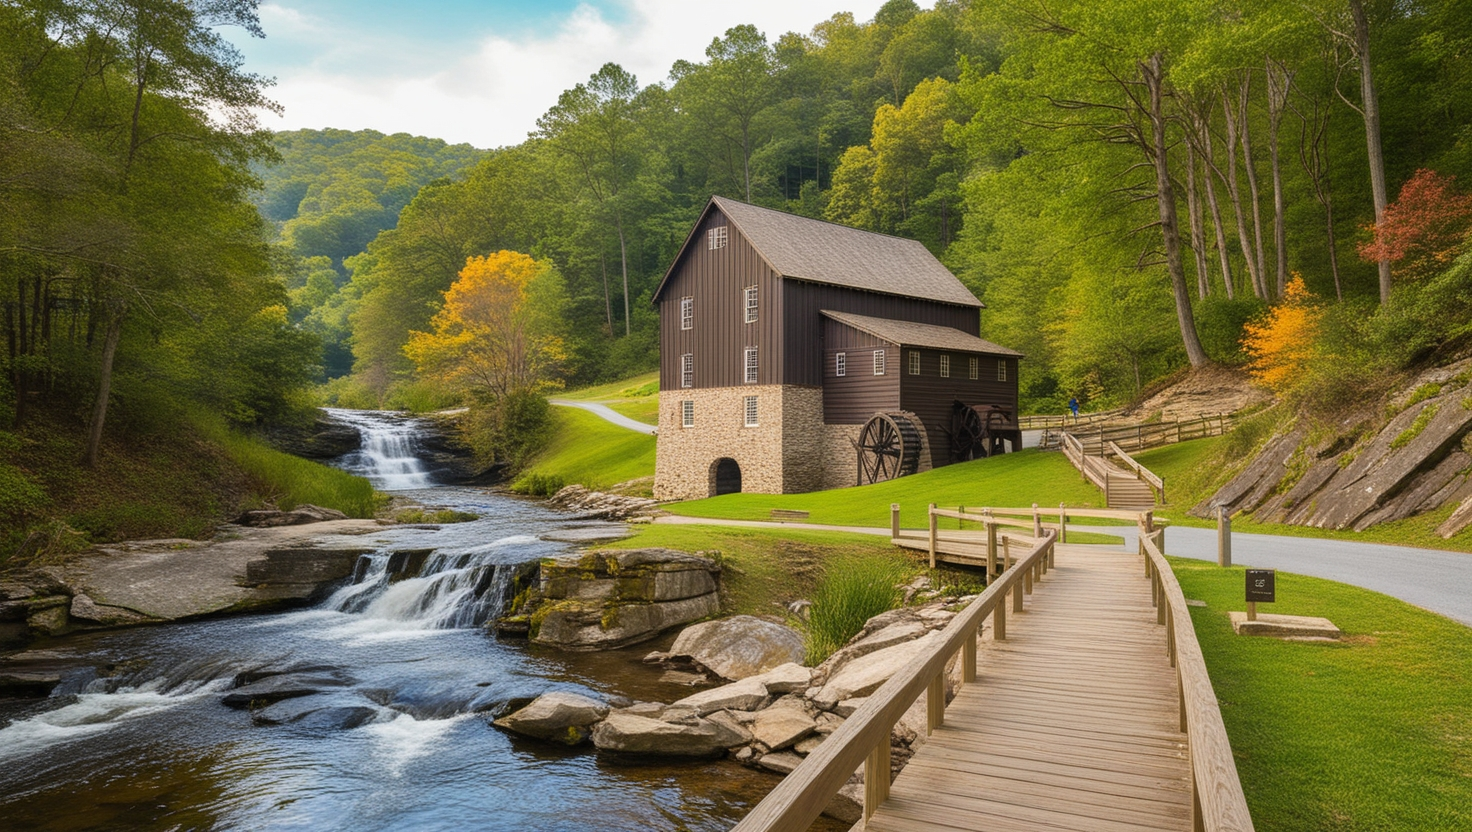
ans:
x=1042 y=420
x=1138 y=437
x=1219 y=803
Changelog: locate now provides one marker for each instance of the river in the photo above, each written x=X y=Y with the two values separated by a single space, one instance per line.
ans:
x=406 y=742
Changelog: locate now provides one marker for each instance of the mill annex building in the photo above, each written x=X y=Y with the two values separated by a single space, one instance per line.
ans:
x=799 y=355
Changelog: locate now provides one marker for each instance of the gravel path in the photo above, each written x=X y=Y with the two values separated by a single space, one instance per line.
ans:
x=607 y=413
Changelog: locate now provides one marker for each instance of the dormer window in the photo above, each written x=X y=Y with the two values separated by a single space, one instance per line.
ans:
x=715 y=238
x=687 y=313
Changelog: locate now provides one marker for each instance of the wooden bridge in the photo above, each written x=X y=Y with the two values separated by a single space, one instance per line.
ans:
x=1084 y=702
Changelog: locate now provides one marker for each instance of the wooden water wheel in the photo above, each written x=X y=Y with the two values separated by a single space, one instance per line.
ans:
x=978 y=431
x=889 y=447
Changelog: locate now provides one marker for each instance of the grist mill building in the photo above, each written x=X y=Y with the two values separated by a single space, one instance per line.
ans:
x=799 y=355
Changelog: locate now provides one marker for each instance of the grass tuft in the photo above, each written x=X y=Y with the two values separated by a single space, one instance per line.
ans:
x=290 y=481
x=853 y=590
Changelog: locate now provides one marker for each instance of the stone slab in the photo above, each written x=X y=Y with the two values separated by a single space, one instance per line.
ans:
x=1284 y=626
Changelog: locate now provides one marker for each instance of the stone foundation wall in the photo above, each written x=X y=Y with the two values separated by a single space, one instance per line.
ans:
x=780 y=455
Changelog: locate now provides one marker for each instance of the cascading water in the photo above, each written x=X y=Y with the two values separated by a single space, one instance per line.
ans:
x=396 y=734
x=387 y=456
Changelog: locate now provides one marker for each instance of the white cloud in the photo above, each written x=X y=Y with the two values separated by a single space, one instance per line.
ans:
x=493 y=96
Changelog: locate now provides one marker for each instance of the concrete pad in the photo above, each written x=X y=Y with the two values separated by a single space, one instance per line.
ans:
x=1284 y=626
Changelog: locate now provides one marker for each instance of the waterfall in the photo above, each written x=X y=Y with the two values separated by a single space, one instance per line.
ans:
x=450 y=591
x=387 y=456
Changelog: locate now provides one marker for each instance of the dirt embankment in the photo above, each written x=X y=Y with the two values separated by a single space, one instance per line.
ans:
x=1207 y=391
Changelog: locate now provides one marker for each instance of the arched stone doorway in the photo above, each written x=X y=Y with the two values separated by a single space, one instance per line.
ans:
x=725 y=477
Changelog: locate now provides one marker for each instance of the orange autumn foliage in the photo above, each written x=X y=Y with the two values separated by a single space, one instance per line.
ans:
x=1282 y=342
x=496 y=333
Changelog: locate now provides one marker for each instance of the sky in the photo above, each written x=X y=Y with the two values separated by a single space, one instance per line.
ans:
x=482 y=72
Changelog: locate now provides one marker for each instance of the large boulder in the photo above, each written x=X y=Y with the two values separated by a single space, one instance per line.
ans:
x=629 y=734
x=864 y=675
x=609 y=599
x=562 y=717
x=739 y=646
x=779 y=727
x=746 y=695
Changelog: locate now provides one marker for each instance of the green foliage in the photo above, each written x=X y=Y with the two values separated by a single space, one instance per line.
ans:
x=852 y=591
x=1219 y=321
x=509 y=430
x=288 y=481
x=1296 y=712
x=1417 y=425
x=538 y=485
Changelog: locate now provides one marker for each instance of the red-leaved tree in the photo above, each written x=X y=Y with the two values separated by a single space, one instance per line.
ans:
x=1424 y=229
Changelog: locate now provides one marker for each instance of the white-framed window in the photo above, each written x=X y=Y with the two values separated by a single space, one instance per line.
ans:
x=715 y=238
x=687 y=370
x=914 y=362
x=945 y=366
x=975 y=368
x=1001 y=369
x=687 y=413
x=879 y=362
x=750 y=304
x=840 y=364
x=749 y=406
x=687 y=313
x=749 y=361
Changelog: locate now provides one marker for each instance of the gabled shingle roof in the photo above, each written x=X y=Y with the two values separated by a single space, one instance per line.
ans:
x=801 y=248
x=927 y=336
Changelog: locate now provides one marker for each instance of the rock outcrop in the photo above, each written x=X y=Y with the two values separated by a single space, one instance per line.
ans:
x=627 y=733
x=601 y=506
x=560 y=717
x=1416 y=461
x=738 y=647
x=607 y=599
x=299 y=516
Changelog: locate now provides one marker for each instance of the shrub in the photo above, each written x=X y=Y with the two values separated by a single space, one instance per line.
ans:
x=1281 y=343
x=538 y=485
x=510 y=429
x=852 y=591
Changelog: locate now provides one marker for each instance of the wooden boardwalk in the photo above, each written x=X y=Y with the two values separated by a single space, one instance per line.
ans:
x=1073 y=723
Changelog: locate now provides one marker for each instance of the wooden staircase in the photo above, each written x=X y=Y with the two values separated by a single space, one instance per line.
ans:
x=1134 y=489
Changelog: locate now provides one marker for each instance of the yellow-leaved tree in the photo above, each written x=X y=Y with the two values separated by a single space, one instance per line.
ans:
x=500 y=330
x=1282 y=342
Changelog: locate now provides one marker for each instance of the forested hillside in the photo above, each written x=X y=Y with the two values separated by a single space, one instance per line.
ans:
x=1125 y=185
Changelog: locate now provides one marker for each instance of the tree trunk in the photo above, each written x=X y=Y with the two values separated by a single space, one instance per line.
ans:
x=1169 y=228
x=1198 y=234
x=623 y=256
x=1235 y=192
x=1244 y=128
x=607 y=301
x=117 y=309
x=1278 y=80
x=1207 y=153
x=1373 y=147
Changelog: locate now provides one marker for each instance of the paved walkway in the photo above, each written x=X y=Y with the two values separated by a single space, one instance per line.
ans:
x=1073 y=722
x=607 y=413
x=1429 y=578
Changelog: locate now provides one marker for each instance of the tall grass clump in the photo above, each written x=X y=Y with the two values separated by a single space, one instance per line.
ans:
x=852 y=591
x=290 y=481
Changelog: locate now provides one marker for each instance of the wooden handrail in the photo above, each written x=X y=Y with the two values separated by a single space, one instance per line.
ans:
x=1219 y=803
x=1144 y=473
x=865 y=736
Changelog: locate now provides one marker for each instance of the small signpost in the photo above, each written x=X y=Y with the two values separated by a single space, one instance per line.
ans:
x=1260 y=587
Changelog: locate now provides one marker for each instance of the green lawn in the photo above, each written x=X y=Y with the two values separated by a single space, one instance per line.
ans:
x=645 y=410
x=1018 y=479
x=634 y=387
x=1372 y=733
x=593 y=452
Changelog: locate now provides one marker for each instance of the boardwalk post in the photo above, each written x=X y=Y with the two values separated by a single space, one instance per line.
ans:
x=1037 y=522
x=894 y=520
x=1062 y=523
x=935 y=704
x=991 y=550
x=1006 y=552
x=1027 y=580
x=968 y=659
x=876 y=777
x=932 y=535
x=1017 y=597
x=1223 y=537
x=999 y=620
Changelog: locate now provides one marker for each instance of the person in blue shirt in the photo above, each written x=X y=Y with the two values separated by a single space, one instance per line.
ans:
x=1073 y=406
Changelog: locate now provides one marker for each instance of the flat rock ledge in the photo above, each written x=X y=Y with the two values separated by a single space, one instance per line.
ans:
x=601 y=506
x=769 y=720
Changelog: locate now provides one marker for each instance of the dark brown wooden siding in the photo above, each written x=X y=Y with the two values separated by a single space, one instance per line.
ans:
x=716 y=279
x=929 y=396
x=853 y=398
x=802 y=302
